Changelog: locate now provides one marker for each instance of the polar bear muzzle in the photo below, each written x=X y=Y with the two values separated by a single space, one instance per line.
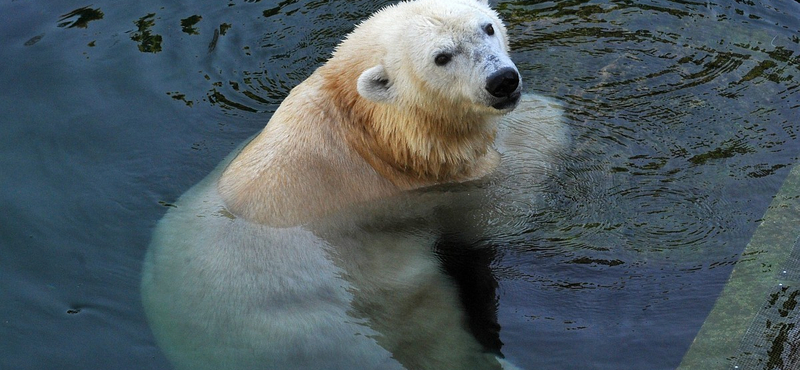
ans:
x=504 y=84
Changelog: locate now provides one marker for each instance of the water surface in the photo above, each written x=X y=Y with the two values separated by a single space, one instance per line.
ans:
x=684 y=116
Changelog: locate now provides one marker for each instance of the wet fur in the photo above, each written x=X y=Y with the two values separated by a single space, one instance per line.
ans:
x=327 y=147
x=307 y=250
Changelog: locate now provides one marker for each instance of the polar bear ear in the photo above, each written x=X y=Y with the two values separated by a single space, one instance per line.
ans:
x=374 y=84
x=484 y=2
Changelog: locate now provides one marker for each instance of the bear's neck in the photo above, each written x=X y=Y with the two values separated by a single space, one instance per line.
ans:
x=413 y=147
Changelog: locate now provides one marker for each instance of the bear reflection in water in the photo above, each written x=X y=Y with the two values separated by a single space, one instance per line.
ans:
x=345 y=234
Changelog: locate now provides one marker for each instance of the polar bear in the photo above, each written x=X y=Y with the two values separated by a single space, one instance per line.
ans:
x=312 y=247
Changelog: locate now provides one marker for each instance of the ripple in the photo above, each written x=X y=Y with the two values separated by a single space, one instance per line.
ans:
x=677 y=123
x=683 y=116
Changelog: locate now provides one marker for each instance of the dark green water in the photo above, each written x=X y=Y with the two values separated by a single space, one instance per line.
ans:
x=685 y=118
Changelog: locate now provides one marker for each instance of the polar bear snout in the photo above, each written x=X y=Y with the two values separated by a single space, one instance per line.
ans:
x=504 y=84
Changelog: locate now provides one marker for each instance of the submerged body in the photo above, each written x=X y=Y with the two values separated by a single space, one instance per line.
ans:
x=358 y=289
x=312 y=247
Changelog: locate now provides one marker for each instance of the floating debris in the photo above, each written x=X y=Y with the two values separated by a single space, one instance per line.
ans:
x=33 y=40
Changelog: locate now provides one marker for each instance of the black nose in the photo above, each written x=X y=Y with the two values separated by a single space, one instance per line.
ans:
x=503 y=82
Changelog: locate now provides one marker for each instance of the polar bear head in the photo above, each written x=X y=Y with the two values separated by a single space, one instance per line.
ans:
x=430 y=50
x=419 y=86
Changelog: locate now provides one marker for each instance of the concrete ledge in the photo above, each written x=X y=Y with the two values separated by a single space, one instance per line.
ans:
x=754 y=321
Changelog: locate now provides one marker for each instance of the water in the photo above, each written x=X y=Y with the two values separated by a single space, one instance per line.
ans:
x=684 y=116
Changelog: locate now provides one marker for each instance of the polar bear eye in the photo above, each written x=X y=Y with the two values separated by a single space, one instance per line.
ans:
x=443 y=59
x=488 y=29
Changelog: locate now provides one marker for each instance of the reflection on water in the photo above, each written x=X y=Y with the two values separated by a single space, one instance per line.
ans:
x=85 y=15
x=148 y=42
x=187 y=24
x=684 y=117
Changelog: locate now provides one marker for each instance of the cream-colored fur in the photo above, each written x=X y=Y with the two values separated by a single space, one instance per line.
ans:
x=327 y=146
x=311 y=248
